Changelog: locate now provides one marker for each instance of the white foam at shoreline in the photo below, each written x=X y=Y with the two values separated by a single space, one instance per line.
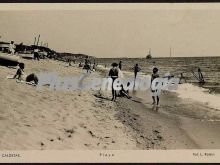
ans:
x=190 y=91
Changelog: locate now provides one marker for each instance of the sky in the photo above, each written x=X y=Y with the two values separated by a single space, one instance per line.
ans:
x=118 y=33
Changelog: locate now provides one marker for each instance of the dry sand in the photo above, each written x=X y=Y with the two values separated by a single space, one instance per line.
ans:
x=33 y=119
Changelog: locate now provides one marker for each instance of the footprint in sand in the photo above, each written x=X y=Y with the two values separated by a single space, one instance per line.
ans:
x=87 y=145
x=91 y=133
x=59 y=138
x=71 y=131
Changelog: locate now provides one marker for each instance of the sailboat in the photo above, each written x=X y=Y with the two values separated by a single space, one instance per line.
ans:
x=149 y=55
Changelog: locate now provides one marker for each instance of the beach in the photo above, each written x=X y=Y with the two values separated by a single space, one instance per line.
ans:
x=33 y=119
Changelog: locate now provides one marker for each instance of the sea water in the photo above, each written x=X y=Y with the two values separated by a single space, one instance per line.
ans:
x=207 y=94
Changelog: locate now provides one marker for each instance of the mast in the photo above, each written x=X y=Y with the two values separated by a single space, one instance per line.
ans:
x=34 y=40
x=38 y=39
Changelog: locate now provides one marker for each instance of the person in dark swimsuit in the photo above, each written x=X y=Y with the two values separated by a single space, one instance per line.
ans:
x=113 y=73
x=136 y=69
x=120 y=65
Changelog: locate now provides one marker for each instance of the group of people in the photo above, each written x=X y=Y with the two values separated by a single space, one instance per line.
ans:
x=114 y=74
x=21 y=76
x=88 y=66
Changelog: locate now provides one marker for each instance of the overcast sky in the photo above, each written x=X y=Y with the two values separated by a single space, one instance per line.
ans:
x=115 y=33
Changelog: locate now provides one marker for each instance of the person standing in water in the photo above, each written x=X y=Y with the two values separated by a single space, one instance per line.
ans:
x=154 y=92
x=182 y=78
x=120 y=65
x=136 y=69
x=201 y=78
x=113 y=73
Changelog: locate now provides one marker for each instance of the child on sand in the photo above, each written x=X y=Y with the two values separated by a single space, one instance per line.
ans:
x=20 y=75
x=154 y=92
x=113 y=73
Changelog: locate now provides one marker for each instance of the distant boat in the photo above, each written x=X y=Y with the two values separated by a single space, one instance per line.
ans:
x=149 y=55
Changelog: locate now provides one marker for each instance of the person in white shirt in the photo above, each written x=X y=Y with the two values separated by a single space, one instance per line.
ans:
x=12 y=47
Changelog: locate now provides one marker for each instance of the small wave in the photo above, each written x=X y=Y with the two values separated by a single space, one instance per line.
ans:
x=190 y=91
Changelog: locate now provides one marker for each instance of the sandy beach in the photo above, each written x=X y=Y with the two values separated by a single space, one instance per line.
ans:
x=45 y=120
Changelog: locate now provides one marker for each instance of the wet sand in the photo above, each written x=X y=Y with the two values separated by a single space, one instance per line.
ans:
x=175 y=124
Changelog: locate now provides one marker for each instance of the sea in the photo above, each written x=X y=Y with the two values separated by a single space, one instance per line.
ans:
x=208 y=93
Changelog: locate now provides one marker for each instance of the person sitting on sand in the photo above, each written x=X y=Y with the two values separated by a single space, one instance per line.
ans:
x=21 y=76
x=136 y=69
x=154 y=76
x=113 y=73
x=123 y=92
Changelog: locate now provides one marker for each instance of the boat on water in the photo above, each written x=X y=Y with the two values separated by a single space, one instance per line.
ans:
x=149 y=55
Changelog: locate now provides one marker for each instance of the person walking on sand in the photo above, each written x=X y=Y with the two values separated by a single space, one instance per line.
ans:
x=36 y=55
x=136 y=69
x=120 y=65
x=154 y=92
x=113 y=73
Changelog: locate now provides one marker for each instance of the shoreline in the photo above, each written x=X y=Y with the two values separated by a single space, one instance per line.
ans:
x=166 y=130
x=90 y=120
